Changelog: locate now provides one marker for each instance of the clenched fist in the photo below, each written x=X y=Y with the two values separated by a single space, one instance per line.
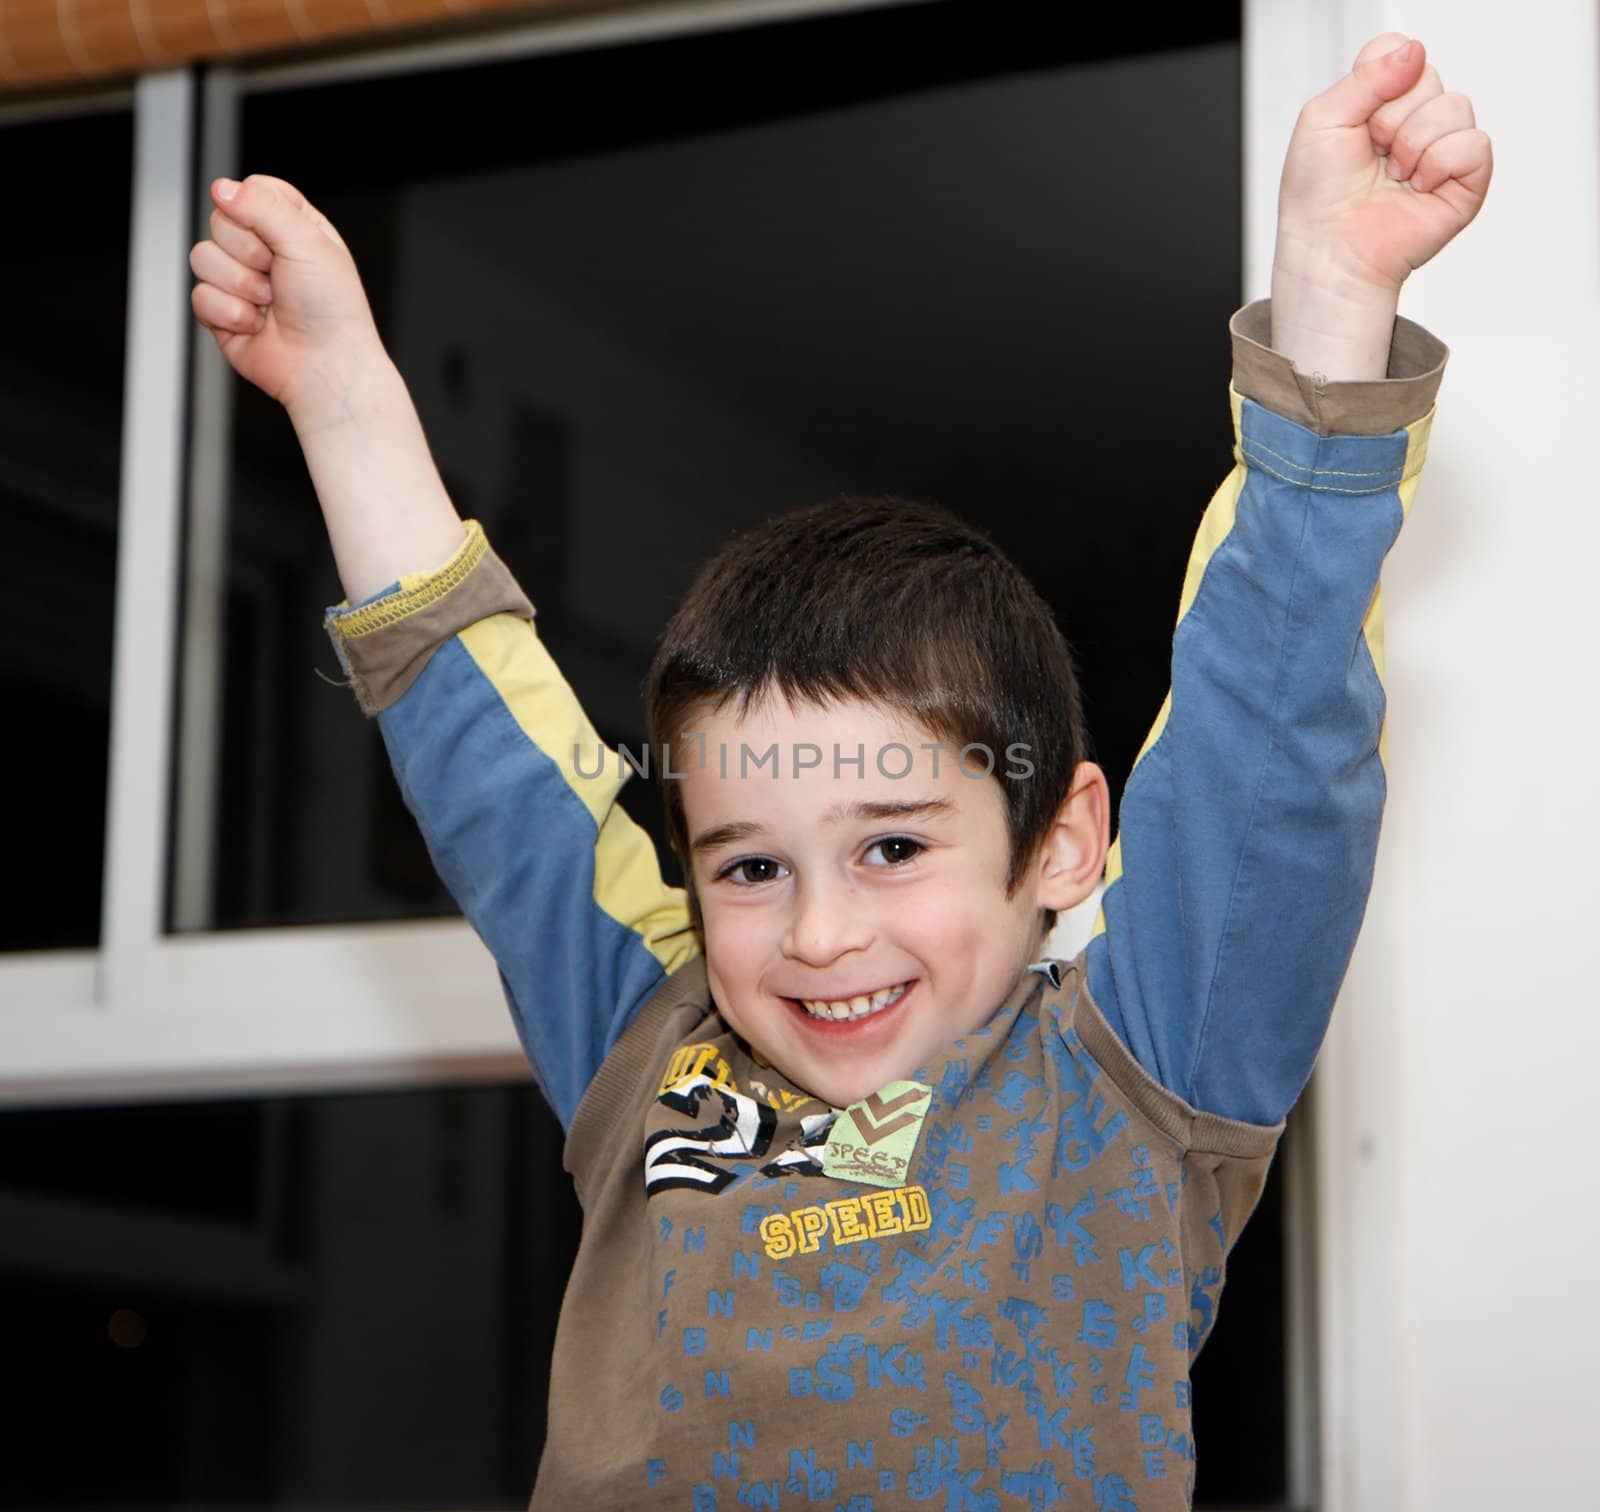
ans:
x=280 y=292
x=1384 y=168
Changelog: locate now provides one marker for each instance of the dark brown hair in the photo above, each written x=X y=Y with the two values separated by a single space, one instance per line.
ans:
x=891 y=602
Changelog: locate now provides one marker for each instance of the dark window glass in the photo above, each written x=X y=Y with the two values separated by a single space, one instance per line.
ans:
x=646 y=295
x=63 y=313
x=1240 y=1412
x=325 y=1302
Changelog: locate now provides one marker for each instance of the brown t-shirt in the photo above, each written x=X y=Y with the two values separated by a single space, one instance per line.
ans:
x=994 y=1304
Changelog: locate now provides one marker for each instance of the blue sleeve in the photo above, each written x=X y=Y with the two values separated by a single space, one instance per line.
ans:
x=516 y=798
x=1249 y=824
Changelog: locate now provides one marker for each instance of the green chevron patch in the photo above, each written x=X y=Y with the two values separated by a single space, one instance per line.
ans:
x=873 y=1140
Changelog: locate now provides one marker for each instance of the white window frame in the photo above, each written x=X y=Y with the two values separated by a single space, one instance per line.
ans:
x=153 y=1015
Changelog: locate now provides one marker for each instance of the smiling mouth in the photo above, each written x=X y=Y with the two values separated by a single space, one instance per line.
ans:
x=849 y=1010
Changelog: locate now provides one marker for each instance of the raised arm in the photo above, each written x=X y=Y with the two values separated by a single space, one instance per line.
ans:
x=1249 y=824
x=507 y=779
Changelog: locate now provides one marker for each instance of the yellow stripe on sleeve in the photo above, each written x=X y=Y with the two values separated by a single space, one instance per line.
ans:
x=1372 y=626
x=1215 y=526
x=627 y=876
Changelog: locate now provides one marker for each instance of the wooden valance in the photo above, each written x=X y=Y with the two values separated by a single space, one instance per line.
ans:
x=56 y=42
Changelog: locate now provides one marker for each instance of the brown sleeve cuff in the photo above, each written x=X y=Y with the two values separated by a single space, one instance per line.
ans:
x=1373 y=407
x=384 y=644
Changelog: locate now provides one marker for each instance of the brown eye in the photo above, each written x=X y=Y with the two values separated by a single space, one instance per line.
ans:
x=751 y=871
x=896 y=850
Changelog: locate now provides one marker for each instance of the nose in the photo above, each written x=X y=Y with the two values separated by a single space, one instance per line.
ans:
x=827 y=922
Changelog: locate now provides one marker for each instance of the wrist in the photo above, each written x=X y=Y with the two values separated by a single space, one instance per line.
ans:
x=1331 y=325
x=344 y=388
x=386 y=509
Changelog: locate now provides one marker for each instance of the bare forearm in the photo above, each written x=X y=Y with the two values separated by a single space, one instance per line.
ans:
x=1344 y=336
x=385 y=506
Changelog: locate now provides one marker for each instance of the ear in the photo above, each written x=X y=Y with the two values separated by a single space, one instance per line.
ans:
x=1072 y=857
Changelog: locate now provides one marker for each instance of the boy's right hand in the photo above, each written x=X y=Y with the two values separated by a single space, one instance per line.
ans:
x=280 y=292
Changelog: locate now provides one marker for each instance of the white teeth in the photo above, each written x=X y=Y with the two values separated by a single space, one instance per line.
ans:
x=856 y=1007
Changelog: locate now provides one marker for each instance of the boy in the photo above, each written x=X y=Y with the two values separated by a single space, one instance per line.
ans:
x=879 y=1208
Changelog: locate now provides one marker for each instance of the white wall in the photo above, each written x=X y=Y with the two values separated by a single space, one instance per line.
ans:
x=1458 y=1144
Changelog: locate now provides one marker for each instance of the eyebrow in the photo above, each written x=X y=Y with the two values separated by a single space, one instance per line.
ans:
x=904 y=808
x=724 y=834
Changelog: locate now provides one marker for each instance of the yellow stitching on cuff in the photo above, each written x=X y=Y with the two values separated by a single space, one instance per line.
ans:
x=417 y=591
x=1416 y=457
x=1418 y=431
x=1321 y=472
x=1365 y=493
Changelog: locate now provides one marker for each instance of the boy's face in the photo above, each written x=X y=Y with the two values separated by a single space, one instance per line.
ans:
x=840 y=885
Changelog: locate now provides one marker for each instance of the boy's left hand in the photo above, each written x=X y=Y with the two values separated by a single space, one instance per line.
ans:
x=1383 y=169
